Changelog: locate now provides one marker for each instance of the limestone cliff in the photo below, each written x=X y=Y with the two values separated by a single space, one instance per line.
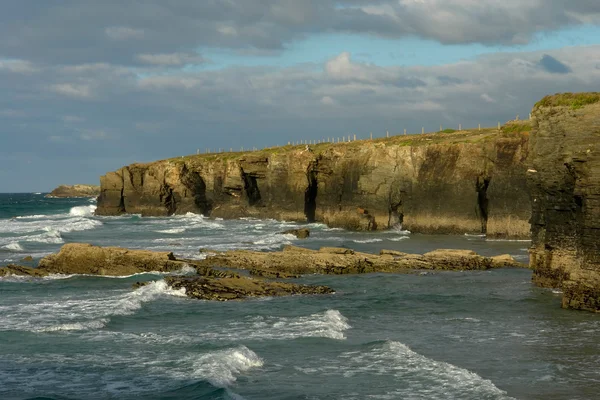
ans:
x=468 y=181
x=75 y=191
x=564 y=177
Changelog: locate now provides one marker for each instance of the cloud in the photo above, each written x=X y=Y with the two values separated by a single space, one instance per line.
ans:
x=140 y=115
x=123 y=33
x=170 y=59
x=72 y=90
x=552 y=65
x=93 y=135
x=152 y=29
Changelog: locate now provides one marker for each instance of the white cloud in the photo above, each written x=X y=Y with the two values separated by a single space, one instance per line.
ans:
x=72 y=119
x=93 y=135
x=170 y=59
x=72 y=90
x=17 y=66
x=123 y=33
x=487 y=98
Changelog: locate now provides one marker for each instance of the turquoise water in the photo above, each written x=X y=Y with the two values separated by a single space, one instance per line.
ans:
x=461 y=335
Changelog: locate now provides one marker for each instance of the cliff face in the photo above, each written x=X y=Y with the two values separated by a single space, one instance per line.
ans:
x=469 y=181
x=564 y=178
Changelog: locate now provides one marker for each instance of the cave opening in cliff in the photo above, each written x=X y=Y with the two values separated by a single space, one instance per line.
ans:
x=310 y=197
x=482 y=186
x=251 y=189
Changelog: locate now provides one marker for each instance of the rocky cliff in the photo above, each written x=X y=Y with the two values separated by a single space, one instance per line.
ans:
x=468 y=181
x=564 y=177
x=75 y=191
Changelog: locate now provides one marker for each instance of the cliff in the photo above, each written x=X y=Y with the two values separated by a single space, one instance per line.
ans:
x=75 y=191
x=462 y=182
x=564 y=178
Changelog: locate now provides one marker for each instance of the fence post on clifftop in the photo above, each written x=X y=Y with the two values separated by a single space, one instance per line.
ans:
x=460 y=127
x=387 y=133
x=422 y=130
x=405 y=131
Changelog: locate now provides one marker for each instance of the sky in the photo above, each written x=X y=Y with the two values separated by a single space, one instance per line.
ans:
x=88 y=86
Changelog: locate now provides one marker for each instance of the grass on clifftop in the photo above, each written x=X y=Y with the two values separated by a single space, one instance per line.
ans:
x=573 y=100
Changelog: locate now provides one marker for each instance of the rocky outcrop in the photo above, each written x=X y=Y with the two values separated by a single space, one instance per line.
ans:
x=75 y=191
x=468 y=181
x=20 y=270
x=81 y=258
x=206 y=284
x=564 y=177
x=301 y=233
x=237 y=288
x=331 y=260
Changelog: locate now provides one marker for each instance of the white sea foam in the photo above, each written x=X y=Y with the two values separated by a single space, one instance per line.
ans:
x=222 y=367
x=398 y=239
x=50 y=236
x=14 y=246
x=80 y=314
x=172 y=231
x=330 y=324
x=83 y=211
x=367 y=240
x=416 y=376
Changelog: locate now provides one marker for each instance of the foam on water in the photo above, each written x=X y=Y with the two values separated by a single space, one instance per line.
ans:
x=367 y=240
x=85 y=313
x=222 y=367
x=330 y=324
x=14 y=246
x=172 y=231
x=83 y=211
x=398 y=239
x=416 y=376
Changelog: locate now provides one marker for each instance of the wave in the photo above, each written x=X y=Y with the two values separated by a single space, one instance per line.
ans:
x=83 y=211
x=417 y=376
x=172 y=231
x=367 y=240
x=51 y=236
x=398 y=239
x=330 y=324
x=80 y=314
x=222 y=367
x=14 y=246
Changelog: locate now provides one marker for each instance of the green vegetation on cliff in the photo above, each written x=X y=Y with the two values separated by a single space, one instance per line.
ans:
x=573 y=100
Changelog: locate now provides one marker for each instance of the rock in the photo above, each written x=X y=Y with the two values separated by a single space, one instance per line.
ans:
x=564 y=179
x=19 y=270
x=238 y=288
x=27 y=259
x=392 y=253
x=504 y=260
x=472 y=182
x=294 y=261
x=299 y=233
x=79 y=258
x=75 y=191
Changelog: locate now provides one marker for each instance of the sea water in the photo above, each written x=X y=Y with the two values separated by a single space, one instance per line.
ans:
x=446 y=335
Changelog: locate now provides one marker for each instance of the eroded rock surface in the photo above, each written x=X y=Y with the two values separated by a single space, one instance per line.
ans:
x=468 y=181
x=81 y=258
x=564 y=177
x=236 y=288
x=330 y=260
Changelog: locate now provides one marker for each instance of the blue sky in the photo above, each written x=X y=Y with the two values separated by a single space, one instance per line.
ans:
x=87 y=87
x=410 y=51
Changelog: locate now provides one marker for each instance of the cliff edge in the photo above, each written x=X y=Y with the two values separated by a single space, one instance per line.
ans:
x=564 y=178
x=462 y=182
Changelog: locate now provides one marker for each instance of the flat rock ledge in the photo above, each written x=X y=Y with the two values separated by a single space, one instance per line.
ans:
x=207 y=284
x=293 y=261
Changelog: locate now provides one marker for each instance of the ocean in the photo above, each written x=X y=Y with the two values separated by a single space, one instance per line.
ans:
x=444 y=335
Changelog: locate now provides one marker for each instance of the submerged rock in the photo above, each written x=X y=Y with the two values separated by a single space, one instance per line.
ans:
x=299 y=233
x=331 y=260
